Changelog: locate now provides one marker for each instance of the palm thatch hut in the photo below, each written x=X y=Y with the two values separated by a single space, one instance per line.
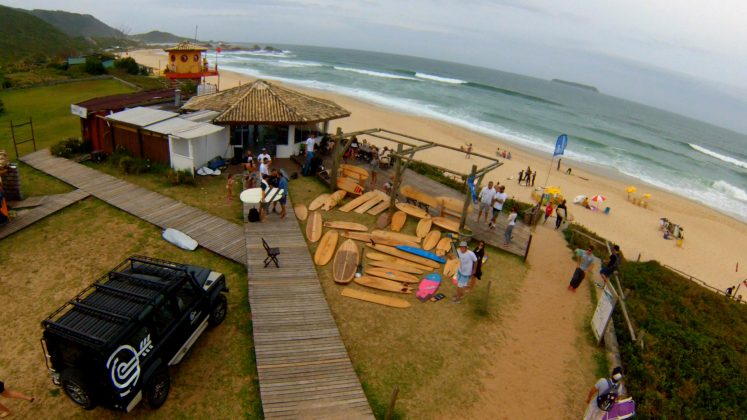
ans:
x=263 y=115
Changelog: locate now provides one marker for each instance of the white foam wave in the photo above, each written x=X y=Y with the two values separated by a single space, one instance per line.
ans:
x=374 y=73
x=440 y=79
x=298 y=63
x=731 y=190
x=259 y=53
x=719 y=156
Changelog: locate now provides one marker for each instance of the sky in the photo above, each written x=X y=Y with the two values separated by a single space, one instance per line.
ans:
x=686 y=56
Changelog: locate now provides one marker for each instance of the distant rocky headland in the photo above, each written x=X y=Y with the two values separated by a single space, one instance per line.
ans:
x=578 y=85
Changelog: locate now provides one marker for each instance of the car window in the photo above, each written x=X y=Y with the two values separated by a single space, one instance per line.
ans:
x=186 y=296
x=163 y=318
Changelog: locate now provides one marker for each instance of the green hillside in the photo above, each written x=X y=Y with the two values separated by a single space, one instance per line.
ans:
x=158 y=37
x=76 y=24
x=25 y=36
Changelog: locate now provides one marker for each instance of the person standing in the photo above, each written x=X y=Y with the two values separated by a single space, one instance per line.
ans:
x=467 y=268
x=510 y=226
x=283 y=186
x=374 y=167
x=248 y=162
x=528 y=177
x=311 y=141
x=230 y=182
x=480 y=254
x=548 y=211
x=584 y=263
x=612 y=264
x=486 y=201
x=264 y=168
x=498 y=200
x=309 y=157
x=8 y=393
x=521 y=176
x=560 y=213
x=534 y=175
x=264 y=156
x=607 y=391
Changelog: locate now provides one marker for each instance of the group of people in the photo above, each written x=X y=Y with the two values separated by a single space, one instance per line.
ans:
x=492 y=198
x=527 y=176
x=470 y=268
x=260 y=173
x=505 y=154
x=561 y=213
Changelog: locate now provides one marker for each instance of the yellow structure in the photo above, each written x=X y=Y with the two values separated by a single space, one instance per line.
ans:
x=188 y=61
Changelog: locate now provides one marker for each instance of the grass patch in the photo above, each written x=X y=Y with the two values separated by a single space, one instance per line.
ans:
x=431 y=351
x=49 y=106
x=35 y=182
x=76 y=246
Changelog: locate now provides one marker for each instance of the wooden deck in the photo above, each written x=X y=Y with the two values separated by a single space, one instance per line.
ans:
x=212 y=232
x=303 y=366
x=46 y=205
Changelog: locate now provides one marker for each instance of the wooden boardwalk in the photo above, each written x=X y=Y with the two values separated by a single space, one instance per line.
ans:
x=48 y=204
x=303 y=366
x=212 y=232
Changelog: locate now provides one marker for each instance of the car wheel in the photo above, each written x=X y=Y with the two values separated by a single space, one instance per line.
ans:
x=158 y=388
x=218 y=313
x=73 y=385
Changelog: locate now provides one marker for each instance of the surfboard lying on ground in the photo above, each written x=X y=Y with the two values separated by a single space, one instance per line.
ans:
x=346 y=262
x=333 y=199
x=180 y=239
x=431 y=239
x=404 y=255
x=326 y=248
x=390 y=274
x=451 y=266
x=353 y=171
x=383 y=220
x=424 y=226
x=420 y=196
x=318 y=202
x=350 y=185
x=370 y=238
x=314 y=227
x=428 y=286
x=301 y=211
x=374 y=200
x=413 y=210
x=381 y=257
x=374 y=298
x=383 y=284
x=337 y=224
x=384 y=205
x=352 y=204
x=447 y=223
x=391 y=265
x=421 y=253
x=398 y=220
x=443 y=246
x=395 y=235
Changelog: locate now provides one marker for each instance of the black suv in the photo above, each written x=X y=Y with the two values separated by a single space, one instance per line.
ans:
x=114 y=342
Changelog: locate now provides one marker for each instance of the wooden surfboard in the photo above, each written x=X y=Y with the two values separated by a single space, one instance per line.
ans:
x=301 y=211
x=346 y=262
x=453 y=205
x=443 y=246
x=369 y=238
x=318 y=202
x=326 y=248
x=383 y=284
x=377 y=209
x=404 y=255
x=404 y=267
x=376 y=199
x=314 y=227
x=386 y=258
x=431 y=239
x=354 y=171
x=398 y=220
x=413 y=210
x=337 y=224
x=374 y=298
x=349 y=185
x=411 y=192
x=447 y=223
x=357 y=201
x=390 y=274
x=424 y=226
x=395 y=235
x=383 y=220
x=333 y=199
x=450 y=268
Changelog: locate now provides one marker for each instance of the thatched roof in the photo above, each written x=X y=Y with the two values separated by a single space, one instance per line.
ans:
x=264 y=103
x=186 y=46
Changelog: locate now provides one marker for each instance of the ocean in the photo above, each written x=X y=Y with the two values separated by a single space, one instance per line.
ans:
x=694 y=159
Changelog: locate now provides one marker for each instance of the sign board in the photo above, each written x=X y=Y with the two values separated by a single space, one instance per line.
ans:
x=78 y=110
x=603 y=312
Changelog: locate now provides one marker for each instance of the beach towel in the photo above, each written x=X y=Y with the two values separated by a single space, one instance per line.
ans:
x=428 y=286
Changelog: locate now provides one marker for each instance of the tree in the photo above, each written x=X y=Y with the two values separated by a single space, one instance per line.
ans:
x=128 y=64
x=2 y=106
x=93 y=66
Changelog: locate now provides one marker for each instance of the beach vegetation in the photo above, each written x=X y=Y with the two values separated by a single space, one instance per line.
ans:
x=127 y=64
x=181 y=177
x=71 y=146
x=438 y=175
x=94 y=66
x=2 y=106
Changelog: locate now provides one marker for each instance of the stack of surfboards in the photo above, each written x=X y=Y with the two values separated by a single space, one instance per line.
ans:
x=355 y=172
x=373 y=202
x=422 y=197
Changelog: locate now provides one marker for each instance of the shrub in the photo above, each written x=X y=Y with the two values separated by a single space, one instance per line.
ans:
x=70 y=147
x=128 y=64
x=181 y=177
x=438 y=175
x=2 y=106
x=93 y=66
x=133 y=165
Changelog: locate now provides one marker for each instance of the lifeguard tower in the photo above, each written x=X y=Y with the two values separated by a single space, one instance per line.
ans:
x=187 y=61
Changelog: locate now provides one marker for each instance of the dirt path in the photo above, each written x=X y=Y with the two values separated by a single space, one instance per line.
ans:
x=543 y=366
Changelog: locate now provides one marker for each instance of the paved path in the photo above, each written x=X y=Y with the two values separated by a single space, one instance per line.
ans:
x=48 y=204
x=303 y=366
x=212 y=232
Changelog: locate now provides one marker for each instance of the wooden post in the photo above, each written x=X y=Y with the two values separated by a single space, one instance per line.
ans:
x=526 y=251
x=33 y=139
x=13 y=135
x=336 y=154
x=392 y=401
x=396 y=181
x=467 y=199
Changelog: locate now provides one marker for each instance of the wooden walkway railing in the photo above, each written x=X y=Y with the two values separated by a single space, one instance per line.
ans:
x=212 y=232
x=49 y=205
x=303 y=366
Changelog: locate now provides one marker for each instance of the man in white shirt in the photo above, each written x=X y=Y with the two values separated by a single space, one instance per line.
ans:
x=467 y=268
x=486 y=201
x=498 y=200
x=264 y=167
x=264 y=155
x=311 y=142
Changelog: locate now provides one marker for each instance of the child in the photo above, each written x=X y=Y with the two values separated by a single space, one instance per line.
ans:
x=548 y=211
x=229 y=187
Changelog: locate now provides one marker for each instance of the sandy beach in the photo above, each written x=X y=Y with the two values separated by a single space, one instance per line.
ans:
x=714 y=243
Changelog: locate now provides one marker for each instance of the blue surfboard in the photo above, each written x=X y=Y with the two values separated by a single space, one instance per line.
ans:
x=421 y=252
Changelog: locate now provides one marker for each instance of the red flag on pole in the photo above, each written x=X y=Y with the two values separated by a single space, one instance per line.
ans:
x=217 y=49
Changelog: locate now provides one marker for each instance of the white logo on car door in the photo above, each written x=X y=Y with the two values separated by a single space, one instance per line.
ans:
x=124 y=365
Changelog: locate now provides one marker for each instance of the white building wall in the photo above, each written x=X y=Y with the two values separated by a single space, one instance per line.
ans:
x=285 y=151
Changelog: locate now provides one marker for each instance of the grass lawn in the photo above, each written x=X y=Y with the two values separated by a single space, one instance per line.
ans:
x=49 y=106
x=431 y=351
x=48 y=263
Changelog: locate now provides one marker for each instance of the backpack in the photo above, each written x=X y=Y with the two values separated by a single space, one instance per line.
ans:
x=253 y=215
x=607 y=399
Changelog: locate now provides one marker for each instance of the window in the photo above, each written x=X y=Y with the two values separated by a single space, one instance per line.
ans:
x=186 y=296
x=196 y=58
x=184 y=58
x=173 y=57
x=270 y=135
x=163 y=318
x=180 y=147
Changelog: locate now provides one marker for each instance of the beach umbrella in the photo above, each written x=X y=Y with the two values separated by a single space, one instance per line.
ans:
x=599 y=198
x=552 y=190
x=631 y=189
x=578 y=199
x=647 y=195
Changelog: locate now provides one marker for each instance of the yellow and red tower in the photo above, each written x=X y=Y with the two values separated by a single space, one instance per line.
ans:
x=188 y=61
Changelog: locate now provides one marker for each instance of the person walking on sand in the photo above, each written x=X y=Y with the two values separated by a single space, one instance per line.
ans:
x=467 y=268
x=469 y=150
x=528 y=177
x=560 y=213
x=510 y=226
x=498 y=200
x=521 y=176
x=611 y=266
x=584 y=264
x=230 y=182
x=9 y=393
x=486 y=201
x=548 y=211
x=480 y=254
x=534 y=175
x=603 y=395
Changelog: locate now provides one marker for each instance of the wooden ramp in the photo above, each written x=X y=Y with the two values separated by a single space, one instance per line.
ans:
x=47 y=205
x=212 y=232
x=303 y=366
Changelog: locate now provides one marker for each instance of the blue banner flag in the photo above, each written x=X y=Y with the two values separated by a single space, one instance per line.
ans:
x=560 y=145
